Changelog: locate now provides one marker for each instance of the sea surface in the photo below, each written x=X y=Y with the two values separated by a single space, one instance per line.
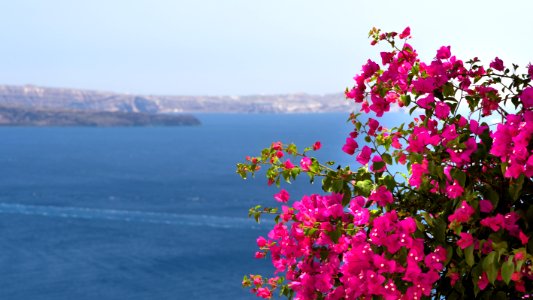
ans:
x=142 y=213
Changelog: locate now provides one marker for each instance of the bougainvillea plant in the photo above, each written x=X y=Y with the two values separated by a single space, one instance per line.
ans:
x=456 y=224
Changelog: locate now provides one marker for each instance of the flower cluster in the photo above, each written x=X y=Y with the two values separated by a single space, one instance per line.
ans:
x=456 y=223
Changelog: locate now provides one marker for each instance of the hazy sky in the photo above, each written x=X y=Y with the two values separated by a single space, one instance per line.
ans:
x=238 y=47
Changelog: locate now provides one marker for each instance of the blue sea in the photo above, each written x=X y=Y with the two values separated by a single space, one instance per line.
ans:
x=142 y=213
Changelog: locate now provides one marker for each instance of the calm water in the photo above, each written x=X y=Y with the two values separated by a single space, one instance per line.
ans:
x=141 y=213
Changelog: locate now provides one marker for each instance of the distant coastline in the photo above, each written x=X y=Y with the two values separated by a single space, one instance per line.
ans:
x=19 y=116
x=65 y=99
x=31 y=105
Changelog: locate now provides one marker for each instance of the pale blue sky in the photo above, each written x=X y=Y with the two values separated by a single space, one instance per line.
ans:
x=237 y=47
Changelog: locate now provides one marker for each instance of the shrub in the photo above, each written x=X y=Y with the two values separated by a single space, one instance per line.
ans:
x=457 y=223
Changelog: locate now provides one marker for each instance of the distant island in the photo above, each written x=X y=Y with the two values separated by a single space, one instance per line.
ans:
x=17 y=116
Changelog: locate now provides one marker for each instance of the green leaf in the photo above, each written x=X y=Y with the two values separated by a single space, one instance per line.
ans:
x=508 y=270
x=469 y=255
x=500 y=247
x=378 y=165
x=326 y=184
x=387 y=158
x=490 y=265
x=448 y=90
x=492 y=273
x=459 y=175
x=389 y=182
x=364 y=187
x=335 y=234
x=488 y=260
x=337 y=185
x=516 y=187
x=449 y=255
x=291 y=149
x=476 y=272
x=346 y=194
x=406 y=99
x=493 y=196
x=440 y=230
x=358 y=125
x=310 y=231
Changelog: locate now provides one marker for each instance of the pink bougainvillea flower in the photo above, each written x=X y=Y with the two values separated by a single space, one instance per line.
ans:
x=364 y=155
x=264 y=293
x=523 y=238
x=483 y=281
x=476 y=128
x=277 y=146
x=449 y=133
x=463 y=156
x=317 y=145
x=442 y=110
x=487 y=247
x=485 y=206
x=370 y=68
x=420 y=139
x=381 y=196
x=462 y=122
x=426 y=101
x=454 y=190
x=350 y=146
x=494 y=223
x=379 y=105
x=434 y=260
x=396 y=142
x=405 y=33
x=402 y=158
x=288 y=164
x=497 y=64
x=373 y=125
x=261 y=242
x=424 y=85
x=350 y=94
x=417 y=173
x=444 y=52
x=386 y=57
x=260 y=254
x=527 y=97
x=465 y=241
x=453 y=278
x=510 y=222
x=287 y=213
x=519 y=256
x=282 y=196
x=273 y=281
x=361 y=216
x=462 y=214
x=305 y=162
